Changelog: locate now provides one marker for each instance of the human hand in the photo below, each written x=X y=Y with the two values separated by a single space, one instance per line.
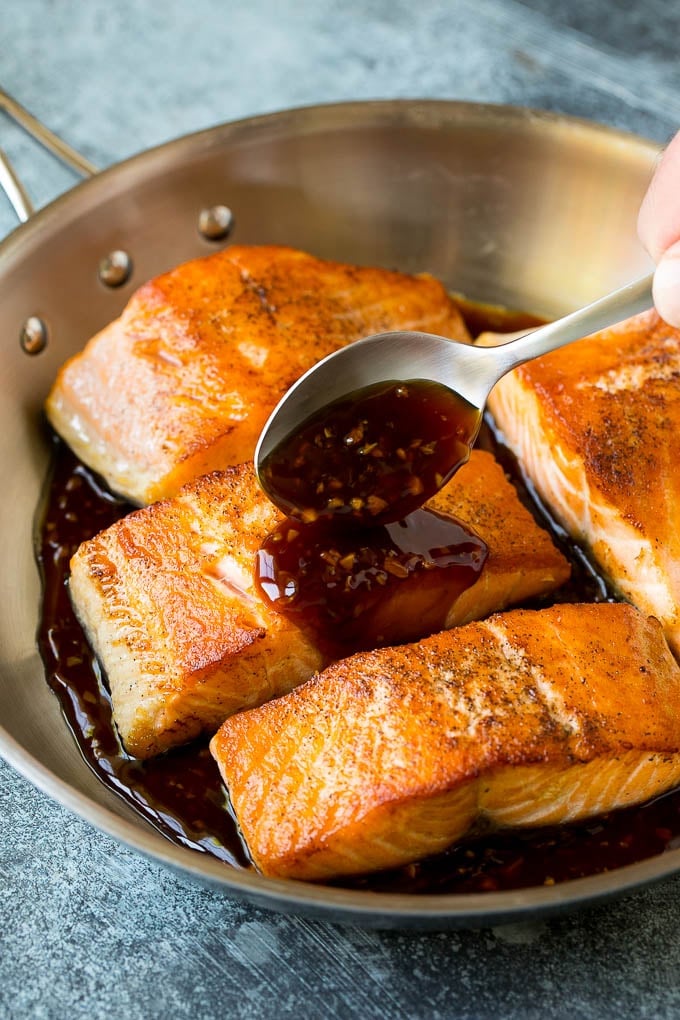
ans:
x=659 y=231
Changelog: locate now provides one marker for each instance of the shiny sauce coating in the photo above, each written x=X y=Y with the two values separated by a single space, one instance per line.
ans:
x=359 y=554
x=374 y=456
x=181 y=794
x=357 y=586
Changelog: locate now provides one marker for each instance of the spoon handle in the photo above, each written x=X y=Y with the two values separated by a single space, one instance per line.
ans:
x=615 y=307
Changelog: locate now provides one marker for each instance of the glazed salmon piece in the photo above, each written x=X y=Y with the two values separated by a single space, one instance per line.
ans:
x=596 y=427
x=168 y=600
x=525 y=719
x=183 y=382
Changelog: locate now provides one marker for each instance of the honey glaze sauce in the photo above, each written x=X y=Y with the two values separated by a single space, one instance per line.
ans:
x=358 y=587
x=359 y=557
x=374 y=456
x=181 y=794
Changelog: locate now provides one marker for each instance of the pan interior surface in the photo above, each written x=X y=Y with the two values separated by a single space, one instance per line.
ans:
x=510 y=206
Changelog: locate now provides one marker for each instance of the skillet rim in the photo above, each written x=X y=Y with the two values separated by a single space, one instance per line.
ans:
x=370 y=909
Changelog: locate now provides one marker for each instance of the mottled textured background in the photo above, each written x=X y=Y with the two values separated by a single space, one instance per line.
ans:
x=88 y=928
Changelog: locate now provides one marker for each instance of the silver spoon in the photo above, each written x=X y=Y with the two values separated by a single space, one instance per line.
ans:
x=471 y=372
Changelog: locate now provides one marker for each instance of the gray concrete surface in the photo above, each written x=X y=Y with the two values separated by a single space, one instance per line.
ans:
x=88 y=928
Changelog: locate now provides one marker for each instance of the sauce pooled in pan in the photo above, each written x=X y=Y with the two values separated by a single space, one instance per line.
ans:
x=181 y=793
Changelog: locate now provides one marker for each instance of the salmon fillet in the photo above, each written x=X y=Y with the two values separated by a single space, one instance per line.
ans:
x=528 y=718
x=596 y=427
x=183 y=382
x=169 y=603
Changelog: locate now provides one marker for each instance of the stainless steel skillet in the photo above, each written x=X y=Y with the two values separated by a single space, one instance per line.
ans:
x=519 y=207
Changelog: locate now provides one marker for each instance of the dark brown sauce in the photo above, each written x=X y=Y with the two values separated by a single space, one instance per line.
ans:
x=358 y=554
x=374 y=456
x=355 y=587
x=181 y=794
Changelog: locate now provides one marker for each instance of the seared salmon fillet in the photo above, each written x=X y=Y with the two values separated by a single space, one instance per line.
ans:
x=183 y=382
x=525 y=719
x=596 y=427
x=168 y=599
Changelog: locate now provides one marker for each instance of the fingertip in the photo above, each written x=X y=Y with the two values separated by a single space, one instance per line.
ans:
x=659 y=217
x=667 y=286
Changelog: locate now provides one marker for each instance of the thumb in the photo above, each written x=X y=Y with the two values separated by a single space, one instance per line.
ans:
x=667 y=285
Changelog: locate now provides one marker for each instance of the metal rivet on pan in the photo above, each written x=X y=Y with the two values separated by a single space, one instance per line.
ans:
x=115 y=268
x=216 y=222
x=33 y=336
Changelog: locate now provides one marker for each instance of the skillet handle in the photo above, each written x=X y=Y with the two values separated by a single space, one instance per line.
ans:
x=9 y=181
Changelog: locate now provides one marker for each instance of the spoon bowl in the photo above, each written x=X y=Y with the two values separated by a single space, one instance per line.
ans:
x=469 y=372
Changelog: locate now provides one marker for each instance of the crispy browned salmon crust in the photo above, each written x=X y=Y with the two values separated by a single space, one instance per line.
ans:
x=525 y=719
x=596 y=427
x=168 y=600
x=183 y=382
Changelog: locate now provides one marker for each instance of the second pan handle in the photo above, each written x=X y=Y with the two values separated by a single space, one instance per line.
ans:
x=9 y=180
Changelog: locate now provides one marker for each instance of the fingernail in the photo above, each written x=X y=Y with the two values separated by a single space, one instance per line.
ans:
x=667 y=286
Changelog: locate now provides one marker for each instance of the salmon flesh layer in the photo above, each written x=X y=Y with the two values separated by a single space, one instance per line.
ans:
x=596 y=427
x=183 y=382
x=528 y=718
x=168 y=600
